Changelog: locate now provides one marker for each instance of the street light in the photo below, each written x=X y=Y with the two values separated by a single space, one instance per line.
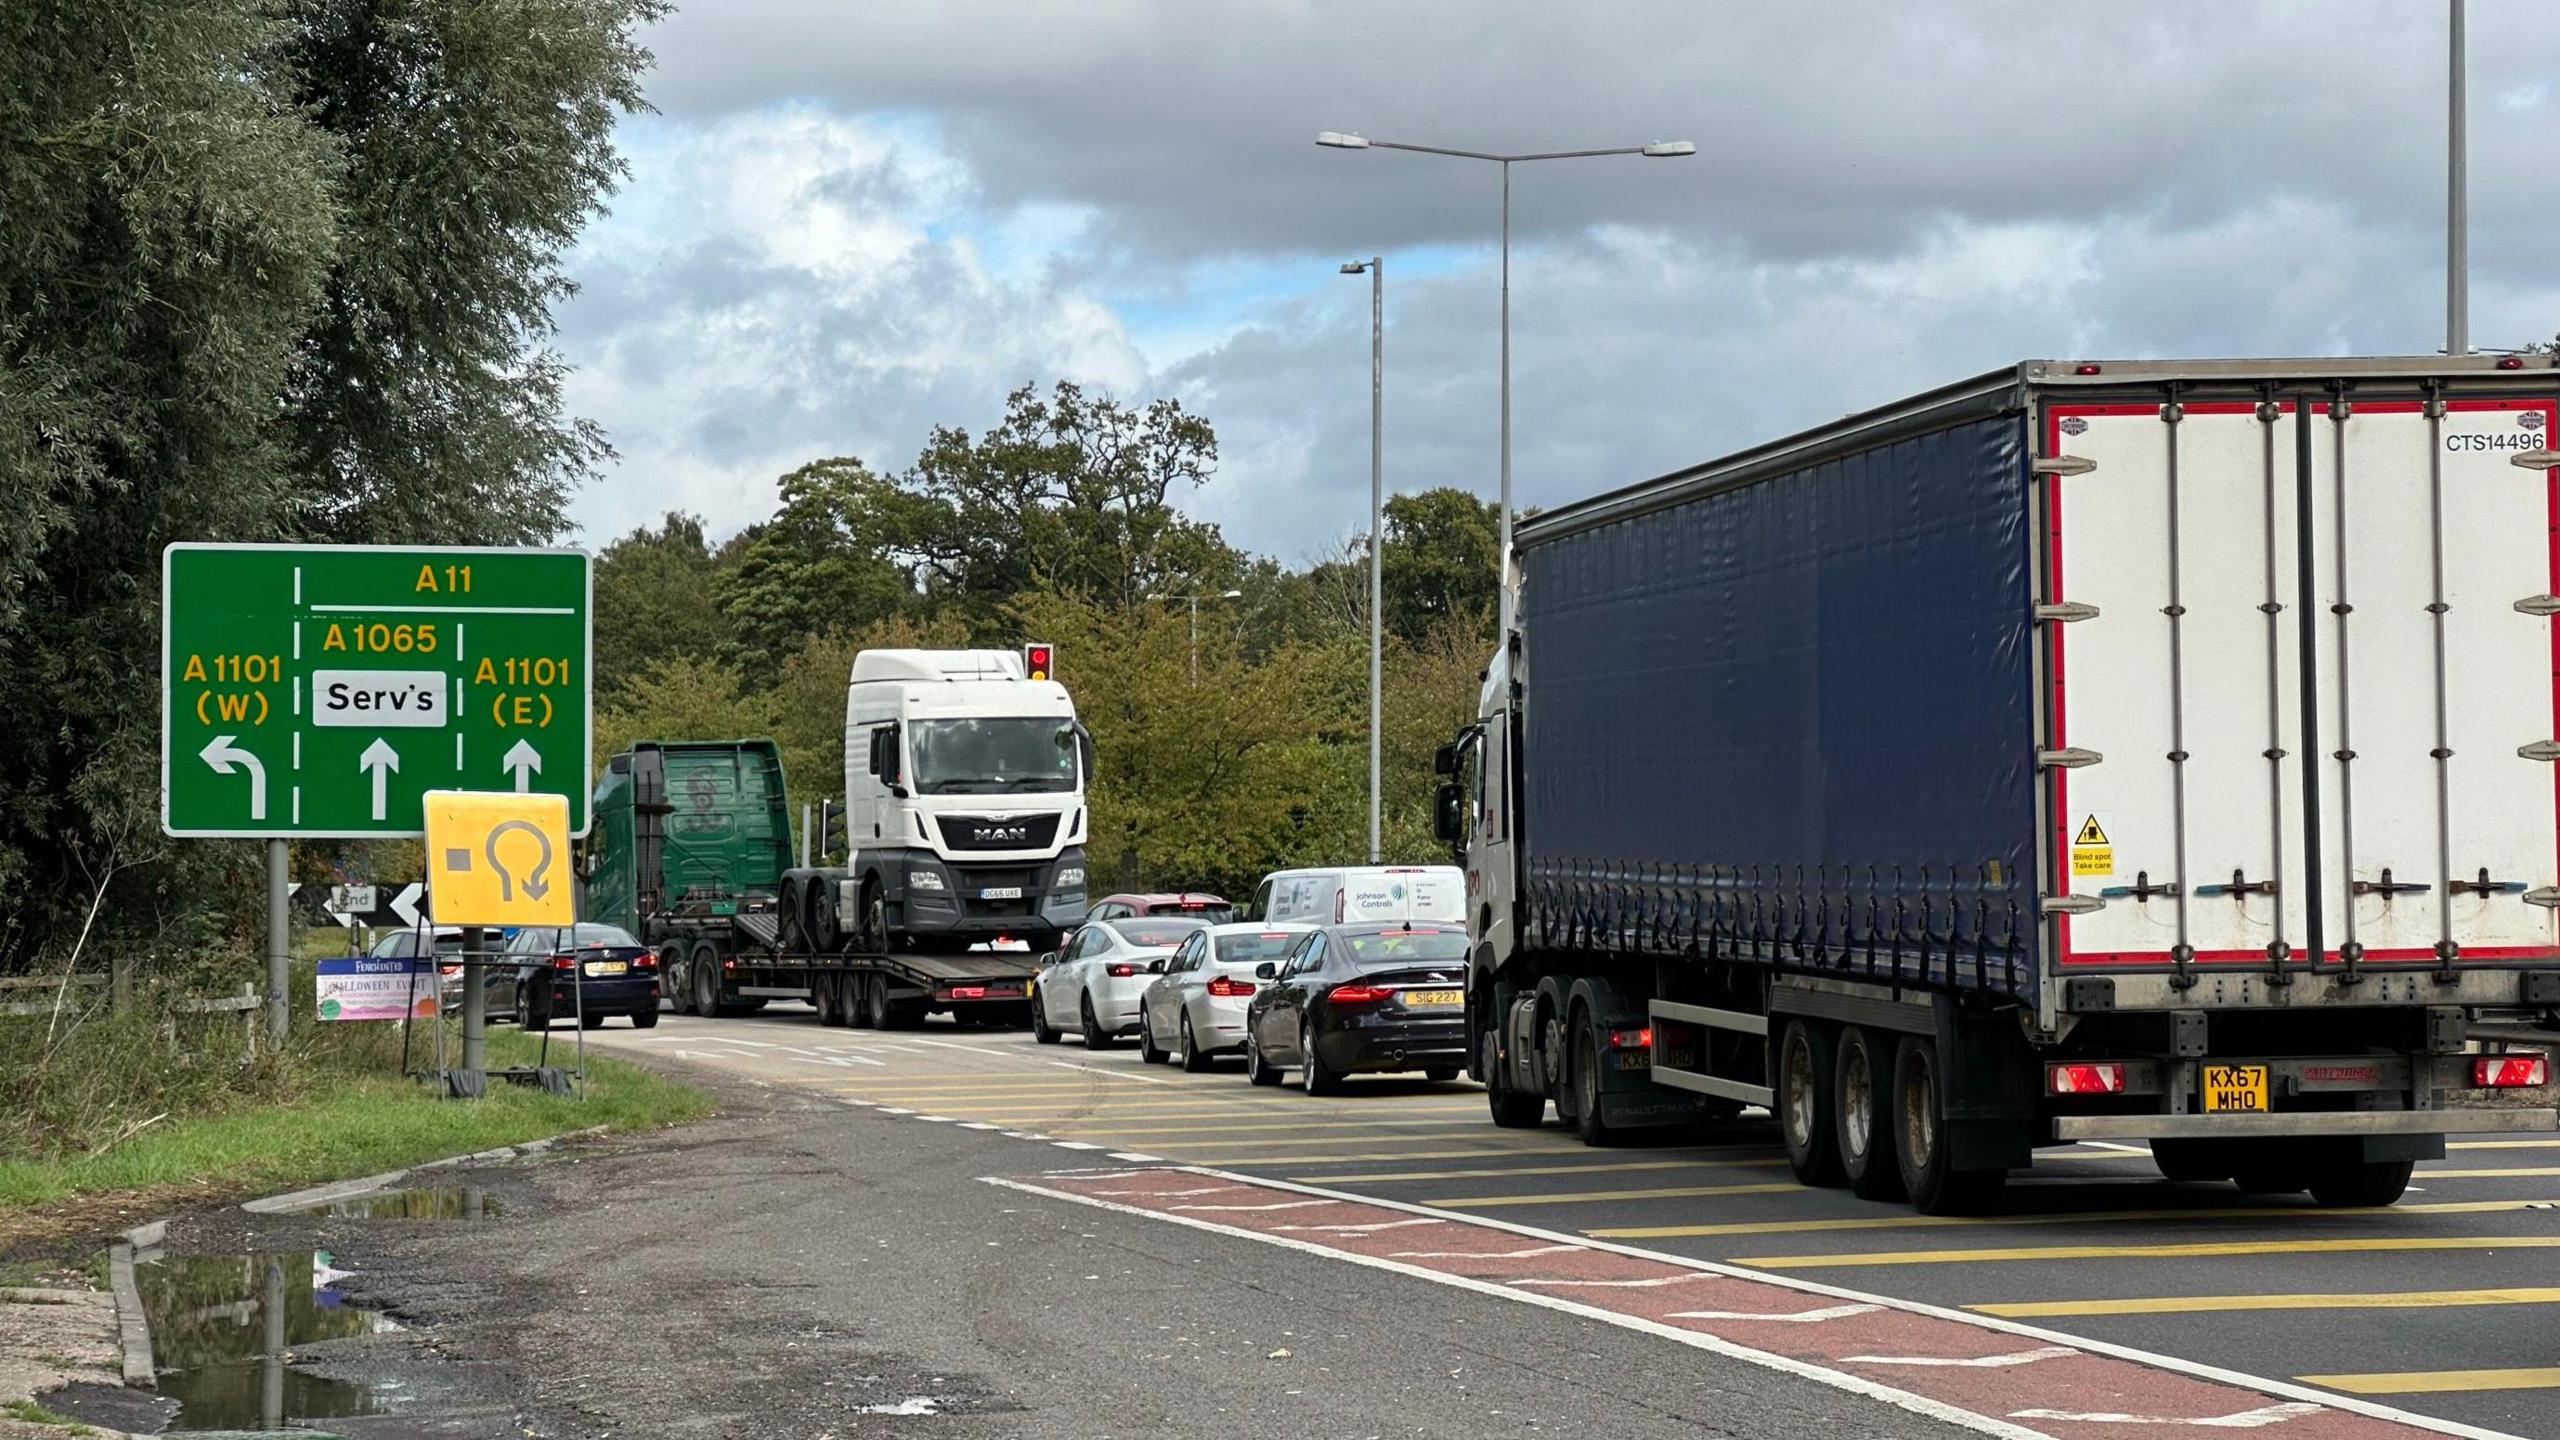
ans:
x=1375 y=267
x=1659 y=150
x=1195 y=597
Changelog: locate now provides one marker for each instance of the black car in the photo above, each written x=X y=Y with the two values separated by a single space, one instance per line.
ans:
x=1361 y=999
x=538 y=979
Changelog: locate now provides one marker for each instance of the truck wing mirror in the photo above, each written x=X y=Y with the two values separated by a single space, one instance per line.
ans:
x=1448 y=814
x=1444 y=761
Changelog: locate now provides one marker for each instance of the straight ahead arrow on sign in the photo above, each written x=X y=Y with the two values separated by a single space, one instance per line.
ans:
x=524 y=762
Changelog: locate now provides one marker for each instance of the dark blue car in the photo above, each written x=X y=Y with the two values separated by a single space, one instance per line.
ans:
x=556 y=972
x=1361 y=999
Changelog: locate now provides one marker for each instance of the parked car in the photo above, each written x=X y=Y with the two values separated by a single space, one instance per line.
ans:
x=1214 y=909
x=1361 y=999
x=1092 y=986
x=1348 y=894
x=537 y=979
x=1195 y=1008
x=447 y=941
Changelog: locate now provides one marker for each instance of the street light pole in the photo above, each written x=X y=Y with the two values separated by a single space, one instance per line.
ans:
x=1659 y=150
x=1195 y=597
x=1376 y=266
x=2457 y=199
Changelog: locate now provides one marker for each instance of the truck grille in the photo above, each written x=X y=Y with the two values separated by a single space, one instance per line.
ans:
x=986 y=832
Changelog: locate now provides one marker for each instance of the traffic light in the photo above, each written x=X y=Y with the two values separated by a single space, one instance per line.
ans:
x=1035 y=660
x=831 y=839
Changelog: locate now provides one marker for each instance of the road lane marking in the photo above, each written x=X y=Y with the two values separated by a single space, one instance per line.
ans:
x=2289 y=1213
x=2238 y=1420
x=2198 y=1250
x=1405 y=1176
x=2439 y=1382
x=1260 y=1125
x=1655 y=1282
x=1274 y=1205
x=1371 y=1228
x=1275 y=1118
x=2198 y=1304
x=1677 y=1192
x=1114 y=1074
x=2504 y=1145
x=1251 y=1140
x=1482 y=1254
x=1814 y=1316
x=1801 y=1285
x=2520 y=1172
x=2009 y=1361
x=1365 y=1156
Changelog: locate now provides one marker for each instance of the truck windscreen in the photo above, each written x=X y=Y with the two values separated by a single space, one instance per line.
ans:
x=987 y=757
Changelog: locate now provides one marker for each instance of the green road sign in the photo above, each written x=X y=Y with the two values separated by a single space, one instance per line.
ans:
x=323 y=689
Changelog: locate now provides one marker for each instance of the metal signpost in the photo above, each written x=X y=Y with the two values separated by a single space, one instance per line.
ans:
x=321 y=691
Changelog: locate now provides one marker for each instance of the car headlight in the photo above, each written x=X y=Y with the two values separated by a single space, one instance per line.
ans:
x=1070 y=877
x=925 y=880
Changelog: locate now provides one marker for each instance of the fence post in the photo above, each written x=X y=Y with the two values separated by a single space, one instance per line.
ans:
x=120 y=983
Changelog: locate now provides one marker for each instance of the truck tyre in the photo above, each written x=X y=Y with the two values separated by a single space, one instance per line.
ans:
x=2193 y=1161
x=1921 y=1142
x=1258 y=1071
x=1094 y=1036
x=827 y=993
x=670 y=971
x=873 y=937
x=1040 y=1030
x=2344 y=1181
x=1314 y=1076
x=875 y=1001
x=856 y=997
x=704 y=971
x=818 y=916
x=1512 y=1109
x=787 y=928
x=1862 y=1102
x=1588 y=1043
x=1804 y=1100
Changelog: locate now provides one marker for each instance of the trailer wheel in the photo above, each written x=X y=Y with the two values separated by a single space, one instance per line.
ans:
x=1862 y=1091
x=1804 y=1103
x=705 y=975
x=2193 y=1161
x=1920 y=1139
x=828 y=991
x=1582 y=1067
x=875 y=1001
x=1512 y=1109
x=2342 y=1180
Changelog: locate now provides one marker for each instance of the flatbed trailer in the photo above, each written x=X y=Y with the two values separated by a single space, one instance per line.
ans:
x=720 y=965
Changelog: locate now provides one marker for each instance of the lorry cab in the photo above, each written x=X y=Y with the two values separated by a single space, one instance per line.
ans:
x=1474 y=812
x=965 y=790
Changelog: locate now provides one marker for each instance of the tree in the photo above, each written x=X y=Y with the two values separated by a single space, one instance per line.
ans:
x=1442 y=561
x=654 y=600
x=681 y=698
x=819 y=566
x=478 y=138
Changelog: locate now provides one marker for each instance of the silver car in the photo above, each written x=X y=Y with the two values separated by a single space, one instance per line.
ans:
x=1092 y=987
x=1195 y=1009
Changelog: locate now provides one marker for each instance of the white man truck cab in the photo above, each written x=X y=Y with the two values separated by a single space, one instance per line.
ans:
x=965 y=782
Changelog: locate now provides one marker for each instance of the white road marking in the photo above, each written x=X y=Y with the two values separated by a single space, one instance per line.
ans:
x=1977 y=1362
x=1114 y=1074
x=2243 y=1420
x=1275 y=1205
x=975 y=1125
x=1074 y=1145
x=1622 y=1284
x=939 y=1119
x=1369 y=1229
x=1137 y=1158
x=1483 y=1254
x=1798 y=1317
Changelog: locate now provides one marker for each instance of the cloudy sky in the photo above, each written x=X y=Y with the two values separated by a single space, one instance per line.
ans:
x=851 y=222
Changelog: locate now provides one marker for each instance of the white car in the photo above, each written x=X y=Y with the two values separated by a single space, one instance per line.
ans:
x=1196 y=1007
x=1092 y=987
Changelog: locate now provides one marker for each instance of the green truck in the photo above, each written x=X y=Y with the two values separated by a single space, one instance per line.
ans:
x=691 y=851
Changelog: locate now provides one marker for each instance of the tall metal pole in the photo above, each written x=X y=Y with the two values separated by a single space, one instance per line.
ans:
x=1502 y=562
x=1377 y=530
x=279 y=944
x=475 y=1006
x=2457 y=199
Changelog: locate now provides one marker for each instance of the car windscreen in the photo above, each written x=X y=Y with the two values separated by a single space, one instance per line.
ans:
x=1161 y=934
x=1219 y=913
x=1251 y=949
x=1387 y=949
x=602 y=935
x=992 y=757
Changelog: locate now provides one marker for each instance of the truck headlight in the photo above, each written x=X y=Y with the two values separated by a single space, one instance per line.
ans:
x=925 y=880
x=1070 y=877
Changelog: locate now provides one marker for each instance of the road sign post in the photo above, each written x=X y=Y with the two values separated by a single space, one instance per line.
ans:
x=323 y=690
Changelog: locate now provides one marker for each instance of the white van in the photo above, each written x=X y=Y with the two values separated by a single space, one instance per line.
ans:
x=1435 y=893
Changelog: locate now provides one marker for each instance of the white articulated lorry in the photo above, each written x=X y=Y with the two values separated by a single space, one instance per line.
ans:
x=2156 y=751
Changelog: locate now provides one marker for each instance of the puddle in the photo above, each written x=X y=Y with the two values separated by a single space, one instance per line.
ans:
x=450 y=1202
x=225 y=1329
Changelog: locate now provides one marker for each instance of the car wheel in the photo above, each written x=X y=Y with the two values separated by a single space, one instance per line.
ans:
x=1147 y=1051
x=1257 y=1070
x=591 y=1022
x=1920 y=1138
x=1315 y=1076
x=525 y=1015
x=1862 y=1100
x=1193 y=1061
x=1094 y=1038
x=1512 y=1109
x=1804 y=1099
x=1040 y=1030
x=644 y=1020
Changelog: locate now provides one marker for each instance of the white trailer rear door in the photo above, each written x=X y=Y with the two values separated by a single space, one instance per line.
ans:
x=2431 y=561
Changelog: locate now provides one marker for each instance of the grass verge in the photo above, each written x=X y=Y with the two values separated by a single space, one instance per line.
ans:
x=351 y=1124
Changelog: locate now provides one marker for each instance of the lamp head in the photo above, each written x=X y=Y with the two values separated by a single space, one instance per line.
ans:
x=1669 y=149
x=1337 y=140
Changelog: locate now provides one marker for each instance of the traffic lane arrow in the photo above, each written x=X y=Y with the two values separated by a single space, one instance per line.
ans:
x=524 y=762
x=381 y=759
x=221 y=753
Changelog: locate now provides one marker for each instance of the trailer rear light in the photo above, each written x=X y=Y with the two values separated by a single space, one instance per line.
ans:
x=1226 y=989
x=2510 y=362
x=729 y=964
x=2511 y=1072
x=1631 y=1039
x=968 y=992
x=1357 y=994
x=1120 y=971
x=2086 y=369
x=2104 y=1079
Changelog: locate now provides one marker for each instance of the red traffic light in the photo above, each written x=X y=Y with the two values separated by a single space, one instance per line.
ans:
x=1036 y=661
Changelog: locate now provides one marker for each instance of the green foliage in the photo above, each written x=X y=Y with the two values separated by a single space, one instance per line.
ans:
x=654 y=600
x=819 y=565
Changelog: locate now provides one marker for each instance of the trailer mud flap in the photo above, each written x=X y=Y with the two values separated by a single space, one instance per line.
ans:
x=1992 y=1087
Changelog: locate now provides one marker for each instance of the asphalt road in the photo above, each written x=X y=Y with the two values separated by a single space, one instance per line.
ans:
x=2440 y=1306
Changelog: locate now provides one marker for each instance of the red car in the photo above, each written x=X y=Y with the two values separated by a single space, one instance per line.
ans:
x=1189 y=905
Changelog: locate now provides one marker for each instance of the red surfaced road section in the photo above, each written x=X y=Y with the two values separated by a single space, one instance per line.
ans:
x=2004 y=1383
